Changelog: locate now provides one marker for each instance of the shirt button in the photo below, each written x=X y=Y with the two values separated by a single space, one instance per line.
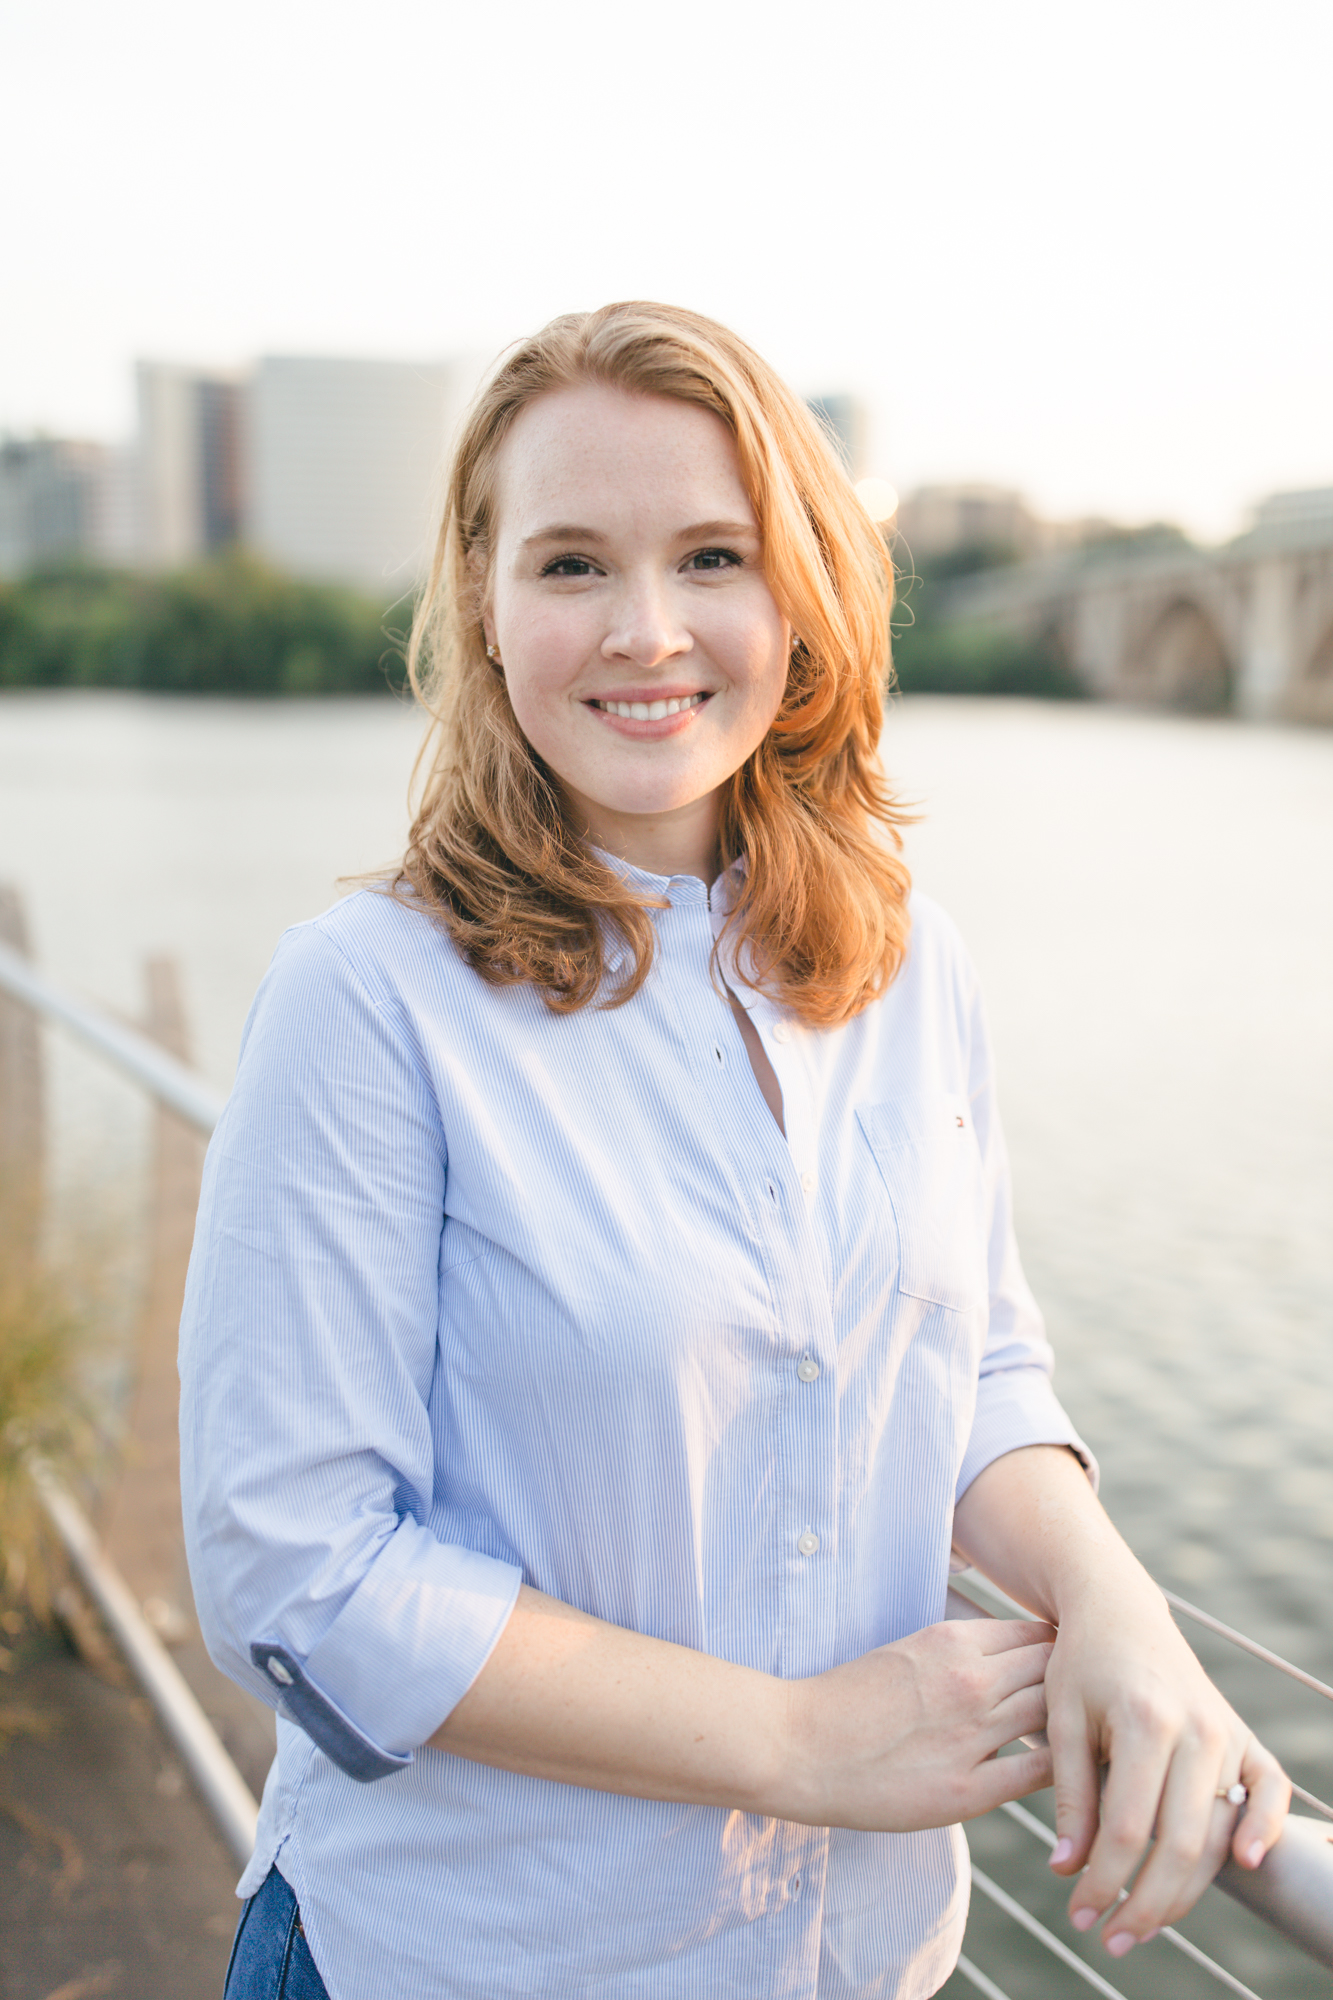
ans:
x=808 y=1544
x=807 y=1183
x=781 y=1032
x=808 y=1370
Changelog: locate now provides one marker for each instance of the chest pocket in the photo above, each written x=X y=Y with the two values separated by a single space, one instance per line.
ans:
x=928 y=1158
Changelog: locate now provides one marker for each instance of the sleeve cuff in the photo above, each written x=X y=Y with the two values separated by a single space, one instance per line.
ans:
x=401 y=1654
x=1017 y=1407
x=322 y=1720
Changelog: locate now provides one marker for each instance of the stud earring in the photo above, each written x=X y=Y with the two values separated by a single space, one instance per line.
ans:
x=493 y=655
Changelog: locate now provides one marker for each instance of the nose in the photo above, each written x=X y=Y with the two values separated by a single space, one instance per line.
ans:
x=644 y=629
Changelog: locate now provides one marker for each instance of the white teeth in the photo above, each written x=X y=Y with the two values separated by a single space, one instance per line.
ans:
x=651 y=711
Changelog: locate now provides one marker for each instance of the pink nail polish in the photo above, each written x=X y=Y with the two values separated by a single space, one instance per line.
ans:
x=1120 y=1944
x=1255 y=1854
x=1061 y=1852
x=1083 y=1920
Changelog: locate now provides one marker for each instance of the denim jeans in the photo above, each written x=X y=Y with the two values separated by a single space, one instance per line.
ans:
x=270 y=1959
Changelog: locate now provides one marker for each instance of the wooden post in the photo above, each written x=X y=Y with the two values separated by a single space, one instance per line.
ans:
x=143 y=1519
x=22 y=1123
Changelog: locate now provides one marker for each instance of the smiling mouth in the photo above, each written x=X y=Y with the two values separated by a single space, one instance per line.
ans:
x=650 y=711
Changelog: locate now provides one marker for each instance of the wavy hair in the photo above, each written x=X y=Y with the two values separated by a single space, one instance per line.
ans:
x=821 y=913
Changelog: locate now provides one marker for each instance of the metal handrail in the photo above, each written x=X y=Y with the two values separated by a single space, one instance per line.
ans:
x=1291 y=1889
x=1056 y=1946
x=171 y=1082
x=1249 y=1646
x=1030 y=1822
x=221 y=1785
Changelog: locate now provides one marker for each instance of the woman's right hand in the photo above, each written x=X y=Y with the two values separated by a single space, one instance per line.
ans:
x=906 y=1737
x=902 y=1738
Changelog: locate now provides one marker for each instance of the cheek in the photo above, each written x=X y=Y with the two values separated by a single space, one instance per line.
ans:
x=547 y=642
x=761 y=656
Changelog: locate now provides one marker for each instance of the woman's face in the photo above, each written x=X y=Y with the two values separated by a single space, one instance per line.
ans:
x=643 y=652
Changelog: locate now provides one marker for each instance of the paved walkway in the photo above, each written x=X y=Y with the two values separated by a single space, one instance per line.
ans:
x=112 y=1879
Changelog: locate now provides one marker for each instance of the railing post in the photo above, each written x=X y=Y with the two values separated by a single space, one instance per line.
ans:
x=144 y=1535
x=22 y=1115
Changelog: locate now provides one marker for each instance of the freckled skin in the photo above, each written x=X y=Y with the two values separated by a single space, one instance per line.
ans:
x=662 y=593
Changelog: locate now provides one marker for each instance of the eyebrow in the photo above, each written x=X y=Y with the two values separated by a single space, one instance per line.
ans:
x=702 y=530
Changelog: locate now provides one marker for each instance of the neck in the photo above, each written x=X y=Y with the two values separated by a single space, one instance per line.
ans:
x=680 y=842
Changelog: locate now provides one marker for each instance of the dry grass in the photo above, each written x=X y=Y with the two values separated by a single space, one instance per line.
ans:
x=47 y=1329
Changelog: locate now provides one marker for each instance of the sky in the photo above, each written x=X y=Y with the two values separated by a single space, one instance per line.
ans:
x=1080 y=250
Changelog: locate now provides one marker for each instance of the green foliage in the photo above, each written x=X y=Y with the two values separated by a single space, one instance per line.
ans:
x=937 y=655
x=232 y=626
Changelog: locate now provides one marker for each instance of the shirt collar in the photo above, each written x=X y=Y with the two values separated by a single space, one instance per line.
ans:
x=674 y=889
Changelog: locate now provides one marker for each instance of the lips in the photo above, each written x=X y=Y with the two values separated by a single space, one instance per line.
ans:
x=651 y=711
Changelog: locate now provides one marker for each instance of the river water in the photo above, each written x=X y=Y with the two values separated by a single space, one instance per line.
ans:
x=1150 y=902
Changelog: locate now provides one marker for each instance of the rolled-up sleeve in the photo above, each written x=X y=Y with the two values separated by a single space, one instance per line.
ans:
x=308 y=1351
x=1016 y=1402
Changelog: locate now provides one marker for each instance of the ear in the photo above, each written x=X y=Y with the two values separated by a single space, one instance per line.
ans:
x=478 y=589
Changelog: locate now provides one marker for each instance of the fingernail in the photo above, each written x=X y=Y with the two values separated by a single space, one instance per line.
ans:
x=1120 y=1944
x=1255 y=1854
x=1061 y=1852
x=1083 y=1920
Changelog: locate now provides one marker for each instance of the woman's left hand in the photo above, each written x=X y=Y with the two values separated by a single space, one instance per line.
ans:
x=1127 y=1702
x=1124 y=1692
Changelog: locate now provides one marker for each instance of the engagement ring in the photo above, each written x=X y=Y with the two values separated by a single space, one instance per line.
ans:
x=1235 y=1795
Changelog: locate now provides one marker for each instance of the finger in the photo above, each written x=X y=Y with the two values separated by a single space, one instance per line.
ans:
x=1023 y=1714
x=1077 y=1791
x=1024 y=1667
x=1134 y=1786
x=1003 y=1635
x=1270 y=1797
x=1190 y=1841
x=1003 y=1778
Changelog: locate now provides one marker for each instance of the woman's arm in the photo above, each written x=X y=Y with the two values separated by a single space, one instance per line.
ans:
x=904 y=1737
x=1123 y=1691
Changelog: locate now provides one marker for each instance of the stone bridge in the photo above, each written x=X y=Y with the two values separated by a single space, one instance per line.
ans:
x=1247 y=627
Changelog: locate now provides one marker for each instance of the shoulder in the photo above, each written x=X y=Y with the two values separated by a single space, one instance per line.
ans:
x=369 y=955
x=936 y=951
x=385 y=941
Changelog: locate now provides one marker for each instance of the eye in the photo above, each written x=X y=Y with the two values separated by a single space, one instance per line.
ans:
x=569 y=566
x=715 y=559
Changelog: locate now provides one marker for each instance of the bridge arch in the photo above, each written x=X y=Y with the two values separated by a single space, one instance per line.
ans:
x=1309 y=698
x=1182 y=662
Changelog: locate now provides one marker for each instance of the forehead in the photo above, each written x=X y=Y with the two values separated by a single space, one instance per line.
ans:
x=598 y=450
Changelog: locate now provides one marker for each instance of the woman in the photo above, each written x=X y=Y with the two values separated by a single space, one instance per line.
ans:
x=605 y=1312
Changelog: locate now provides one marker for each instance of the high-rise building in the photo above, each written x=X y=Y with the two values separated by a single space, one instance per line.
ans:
x=62 y=500
x=189 y=473
x=344 y=461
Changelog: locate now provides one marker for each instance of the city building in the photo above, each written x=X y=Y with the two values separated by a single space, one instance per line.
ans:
x=64 y=500
x=189 y=469
x=344 y=464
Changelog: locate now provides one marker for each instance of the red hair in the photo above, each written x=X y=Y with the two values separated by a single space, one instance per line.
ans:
x=822 y=905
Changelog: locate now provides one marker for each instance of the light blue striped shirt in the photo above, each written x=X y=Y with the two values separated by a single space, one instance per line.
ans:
x=483 y=1294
